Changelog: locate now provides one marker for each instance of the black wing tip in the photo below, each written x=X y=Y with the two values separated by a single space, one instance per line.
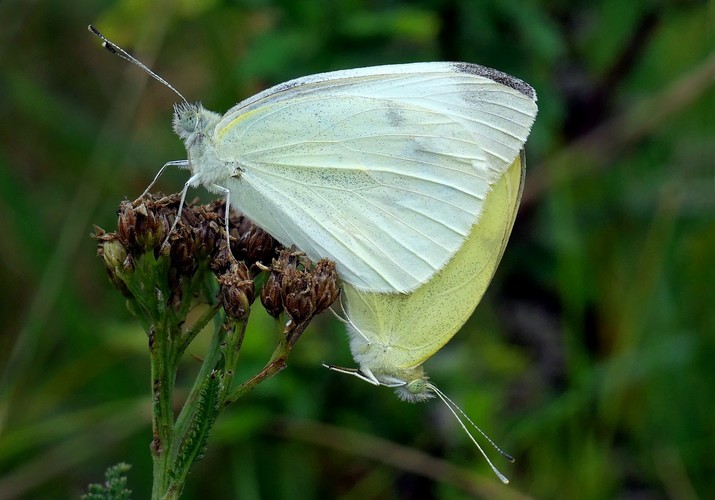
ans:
x=497 y=76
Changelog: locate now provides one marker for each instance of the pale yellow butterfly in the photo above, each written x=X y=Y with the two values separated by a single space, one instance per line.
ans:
x=392 y=335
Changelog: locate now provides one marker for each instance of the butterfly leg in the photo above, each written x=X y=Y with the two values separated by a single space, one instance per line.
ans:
x=366 y=375
x=175 y=163
x=192 y=180
x=227 y=194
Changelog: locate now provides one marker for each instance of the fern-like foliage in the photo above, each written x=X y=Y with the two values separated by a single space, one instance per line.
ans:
x=207 y=409
x=114 y=487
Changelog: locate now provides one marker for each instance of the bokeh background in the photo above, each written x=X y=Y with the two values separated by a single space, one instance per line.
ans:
x=590 y=358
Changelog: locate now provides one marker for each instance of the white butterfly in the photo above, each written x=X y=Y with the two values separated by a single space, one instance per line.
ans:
x=391 y=335
x=383 y=170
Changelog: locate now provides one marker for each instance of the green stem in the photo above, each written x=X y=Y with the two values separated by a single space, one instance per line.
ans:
x=200 y=324
x=163 y=374
x=231 y=349
x=274 y=366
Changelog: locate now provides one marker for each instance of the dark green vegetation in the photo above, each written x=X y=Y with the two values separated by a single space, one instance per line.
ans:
x=590 y=359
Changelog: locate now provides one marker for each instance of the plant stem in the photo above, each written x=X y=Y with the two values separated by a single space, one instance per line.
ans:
x=163 y=375
x=275 y=365
x=213 y=355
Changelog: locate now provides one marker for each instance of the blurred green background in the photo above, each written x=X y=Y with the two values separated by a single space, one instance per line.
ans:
x=590 y=359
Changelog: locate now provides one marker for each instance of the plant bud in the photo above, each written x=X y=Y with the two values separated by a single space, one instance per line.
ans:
x=113 y=253
x=115 y=258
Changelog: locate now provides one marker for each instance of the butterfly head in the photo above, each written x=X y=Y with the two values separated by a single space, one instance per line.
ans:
x=189 y=121
x=415 y=390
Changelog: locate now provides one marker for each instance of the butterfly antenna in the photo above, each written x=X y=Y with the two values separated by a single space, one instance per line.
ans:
x=452 y=405
x=118 y=51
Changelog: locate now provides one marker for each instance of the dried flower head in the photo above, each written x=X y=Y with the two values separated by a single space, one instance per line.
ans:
x=298 y=294
x=236 y=291
x=142 y=225
x=198 y=240
x=325 y=283
x=249 y=242
x=272 y=294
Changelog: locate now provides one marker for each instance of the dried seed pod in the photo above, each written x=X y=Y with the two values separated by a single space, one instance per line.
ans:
x=208 y=233
x=271 y=295
x=250 y=243
x=260 y=246
x=222 y=259
x=298 y=294
x=143 y=226
x=236 y=292
x=325 y=283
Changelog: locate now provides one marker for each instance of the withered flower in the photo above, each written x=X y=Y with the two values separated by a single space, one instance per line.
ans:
x=223 y=258
x=198 y=237
x=271 y=294
x=249 y=242
x=209 y=231
x=236 y=291
x=142 y=226
x=298 y=294
x=293 y=287
x=325 y=283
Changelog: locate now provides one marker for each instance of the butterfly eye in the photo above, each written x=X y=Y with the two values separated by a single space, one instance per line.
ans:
x=417 y=386
x=190 y=121
x=187 y=121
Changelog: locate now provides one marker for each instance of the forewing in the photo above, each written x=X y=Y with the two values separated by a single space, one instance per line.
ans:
x=383 y=170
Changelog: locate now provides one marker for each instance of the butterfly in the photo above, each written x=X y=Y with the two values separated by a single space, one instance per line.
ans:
x=383 y=170
x=392 y=335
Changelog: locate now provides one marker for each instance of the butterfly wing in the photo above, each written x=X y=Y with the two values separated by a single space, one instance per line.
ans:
x=383 y=170
x=403 y=330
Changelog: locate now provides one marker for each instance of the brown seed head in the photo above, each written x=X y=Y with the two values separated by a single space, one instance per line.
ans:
x=208 y=233
x=325 y=283
x=271 y=294
x=222 y=259
x=298 y=294
x=250 y=243
x=236 y=291
x=140 y=227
